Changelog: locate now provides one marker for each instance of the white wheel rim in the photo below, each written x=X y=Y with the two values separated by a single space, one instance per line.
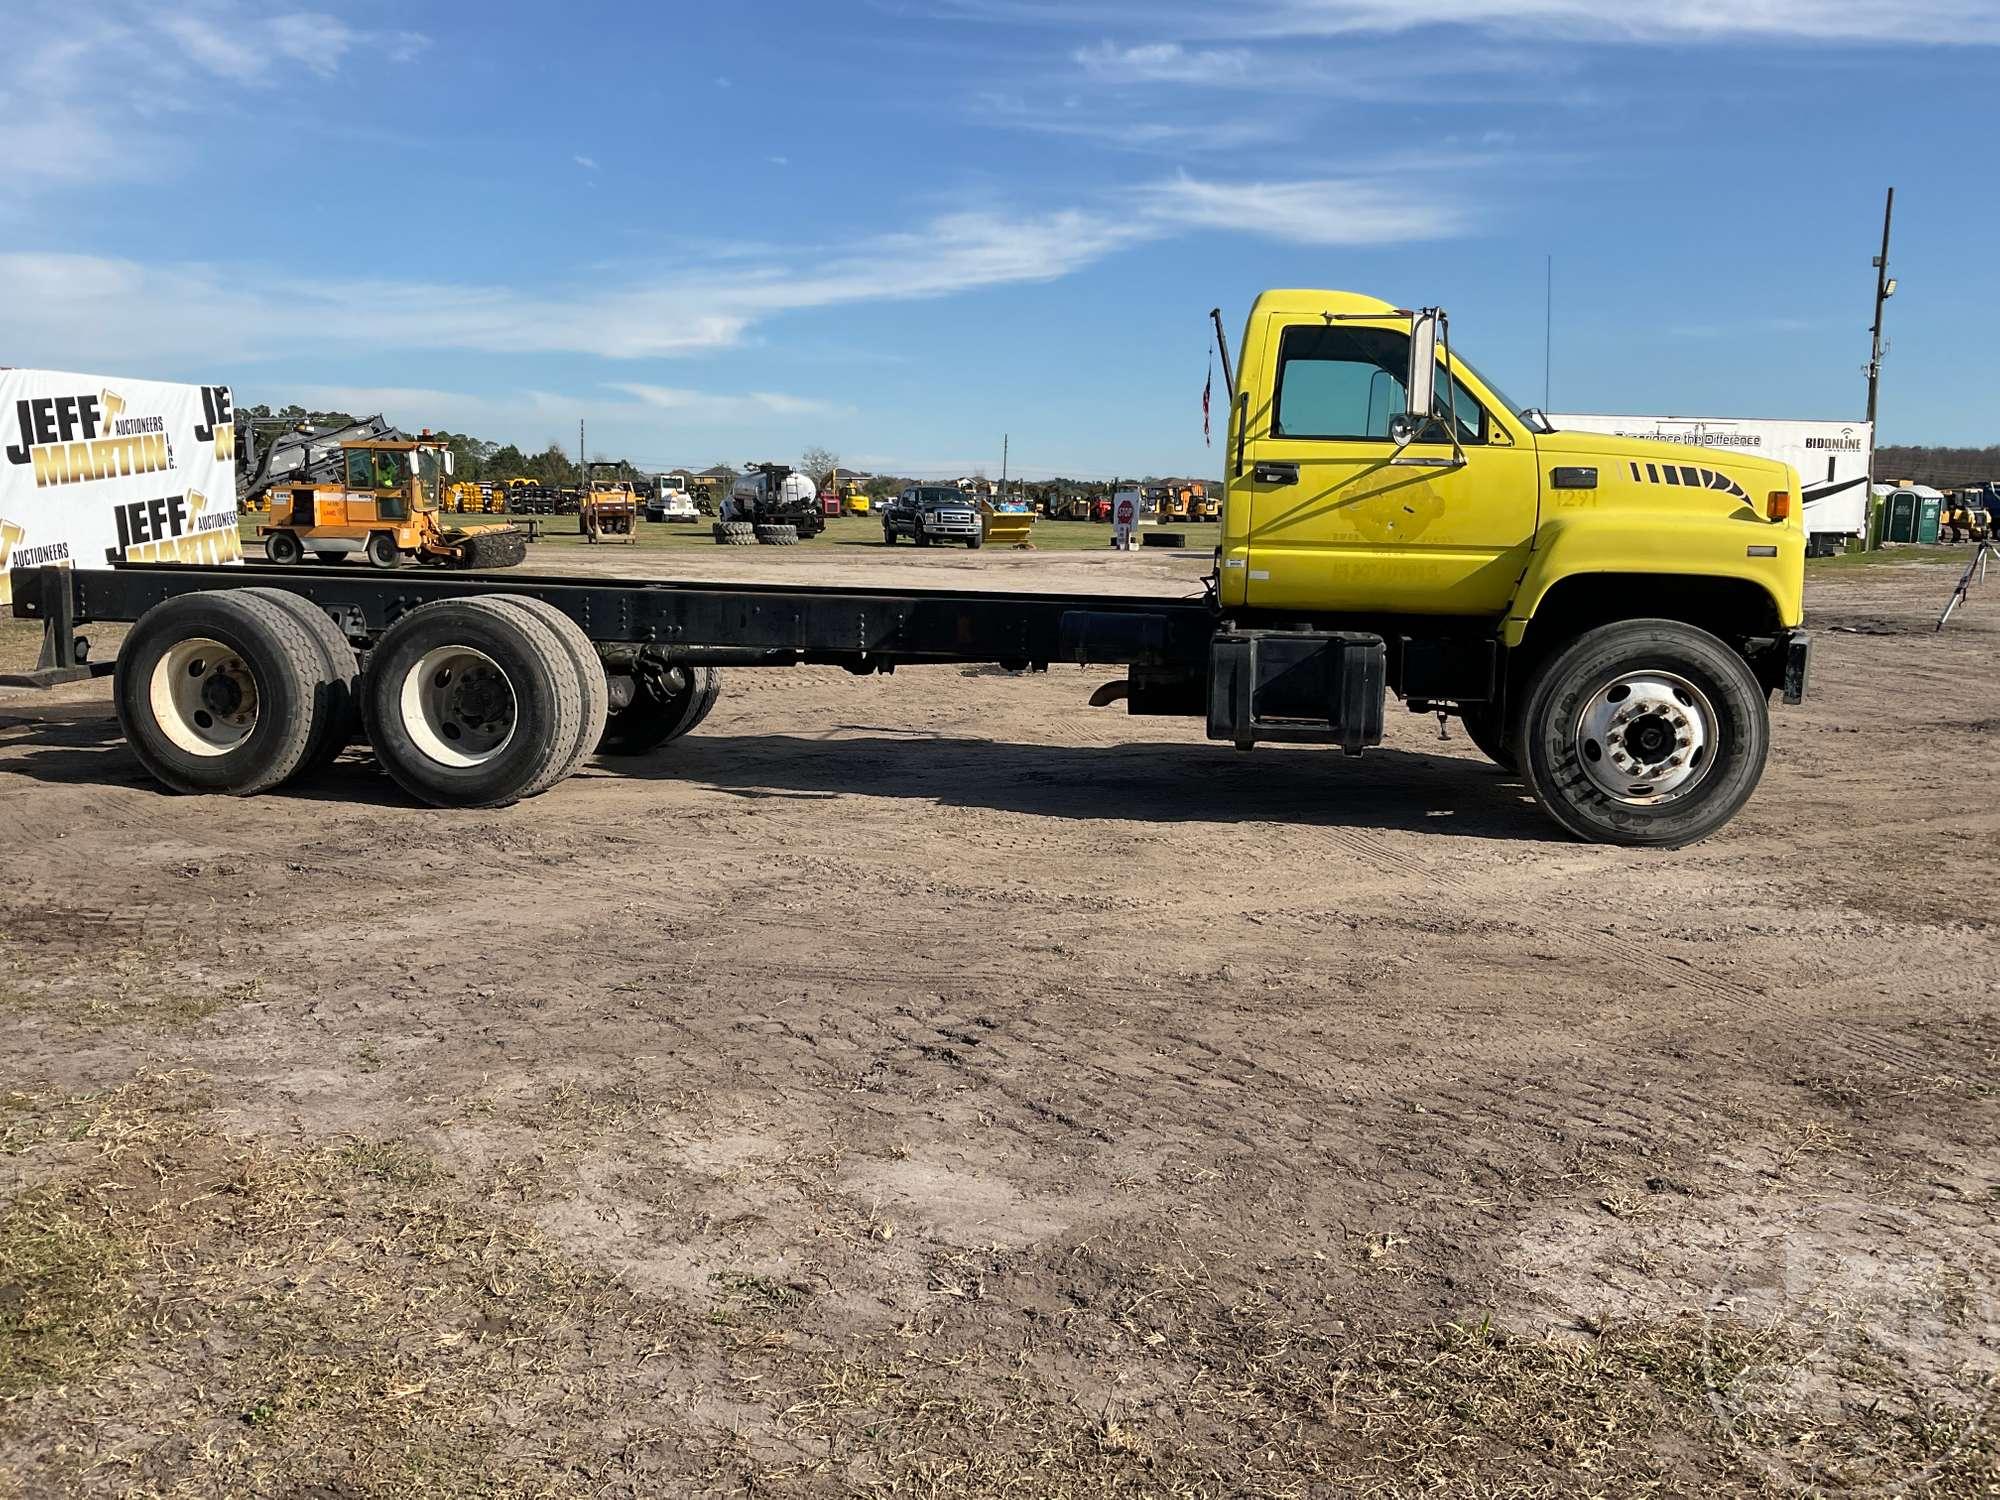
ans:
x=1647 y=737
x=203 y=696
x=458 y=706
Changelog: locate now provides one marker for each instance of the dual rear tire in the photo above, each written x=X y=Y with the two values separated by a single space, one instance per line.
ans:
x=234 y=692
x=480 y=702
x=473 y=702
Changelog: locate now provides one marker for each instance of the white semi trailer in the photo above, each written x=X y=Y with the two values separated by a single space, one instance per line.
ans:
x=1833 y=459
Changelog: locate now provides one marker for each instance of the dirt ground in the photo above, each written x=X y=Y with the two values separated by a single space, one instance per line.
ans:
x=933 y=1086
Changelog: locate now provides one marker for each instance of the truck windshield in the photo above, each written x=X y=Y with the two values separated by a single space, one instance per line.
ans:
x=1502 y=397
x=430 y=473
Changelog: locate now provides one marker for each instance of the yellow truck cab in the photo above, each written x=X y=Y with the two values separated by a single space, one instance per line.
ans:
x=1607 y=615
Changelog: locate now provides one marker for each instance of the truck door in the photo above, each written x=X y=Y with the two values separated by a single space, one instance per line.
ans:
x=1341 y=520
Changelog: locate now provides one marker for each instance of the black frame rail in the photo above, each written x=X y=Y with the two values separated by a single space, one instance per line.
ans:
x=862 y=629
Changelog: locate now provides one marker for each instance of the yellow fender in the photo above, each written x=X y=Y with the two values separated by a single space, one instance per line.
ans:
x=1668 y=544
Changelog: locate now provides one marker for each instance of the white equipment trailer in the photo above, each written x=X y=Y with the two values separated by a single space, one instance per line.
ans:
x=1833 y=459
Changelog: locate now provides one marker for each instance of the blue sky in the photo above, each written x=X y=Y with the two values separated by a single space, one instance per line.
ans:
x=902 y=228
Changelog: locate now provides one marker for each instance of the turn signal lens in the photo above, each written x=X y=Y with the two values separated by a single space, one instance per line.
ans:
x=1778 y=505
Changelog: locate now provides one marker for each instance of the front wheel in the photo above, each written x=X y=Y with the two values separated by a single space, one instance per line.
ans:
x=283 y=547
x=888 y=537
x=1644 y=733
x=382 y=551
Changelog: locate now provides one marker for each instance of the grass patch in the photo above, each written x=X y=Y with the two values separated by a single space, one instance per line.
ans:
x=65 y=1301
x=348 y=1317
x=123 y=983
x=1890 y=557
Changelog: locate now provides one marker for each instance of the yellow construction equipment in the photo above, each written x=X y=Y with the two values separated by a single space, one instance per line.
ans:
x=607 y=510
x=1007 y=528
x=383 y=503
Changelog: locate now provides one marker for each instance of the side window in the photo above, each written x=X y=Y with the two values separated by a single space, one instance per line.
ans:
x=1342 y=381
x=1471 y=415
x=1339 y=381
x=360 y=471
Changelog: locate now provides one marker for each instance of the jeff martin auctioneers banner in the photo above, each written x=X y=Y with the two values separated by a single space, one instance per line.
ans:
x=97 y=469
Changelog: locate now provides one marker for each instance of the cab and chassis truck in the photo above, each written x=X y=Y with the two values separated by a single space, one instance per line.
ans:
x=1609 y=617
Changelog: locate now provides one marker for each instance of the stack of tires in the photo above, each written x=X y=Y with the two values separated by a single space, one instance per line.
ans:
x=734 y=533
x=778 y=536
x=472 y=702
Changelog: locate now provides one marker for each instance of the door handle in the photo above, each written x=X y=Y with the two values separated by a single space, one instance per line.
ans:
x=1267 y=472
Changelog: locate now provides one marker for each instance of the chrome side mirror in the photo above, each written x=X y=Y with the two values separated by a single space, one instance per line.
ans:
x=1420 y=388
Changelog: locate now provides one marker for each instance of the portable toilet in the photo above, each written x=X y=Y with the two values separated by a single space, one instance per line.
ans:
x=1899 y=513
x=1910 y=512
x=1930 y=513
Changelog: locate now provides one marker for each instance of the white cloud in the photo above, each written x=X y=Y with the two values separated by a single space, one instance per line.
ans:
x=91 y=103
x=723 y=409
x=1330 y=211
x=69 y=309
x=255 y=49
x=589 y=164
x=76 y=310
x=1163 y=62
x=1639 y=21
x=1130 y=130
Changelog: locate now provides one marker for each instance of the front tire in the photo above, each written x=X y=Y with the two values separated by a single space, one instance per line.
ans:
x=283 y=548
x=382 y=551
x=1646 y=733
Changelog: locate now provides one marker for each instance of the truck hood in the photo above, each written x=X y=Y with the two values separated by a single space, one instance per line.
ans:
x=1755 y=476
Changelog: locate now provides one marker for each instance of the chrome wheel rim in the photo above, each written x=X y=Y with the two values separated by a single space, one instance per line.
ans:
x=1647 y=737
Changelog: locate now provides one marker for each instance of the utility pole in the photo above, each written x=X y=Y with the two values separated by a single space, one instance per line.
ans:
x=1885 y=288
x=579 y=449
x=1003 y=465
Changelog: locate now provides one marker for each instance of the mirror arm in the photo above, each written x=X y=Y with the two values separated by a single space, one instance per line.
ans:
x=1222 y=347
